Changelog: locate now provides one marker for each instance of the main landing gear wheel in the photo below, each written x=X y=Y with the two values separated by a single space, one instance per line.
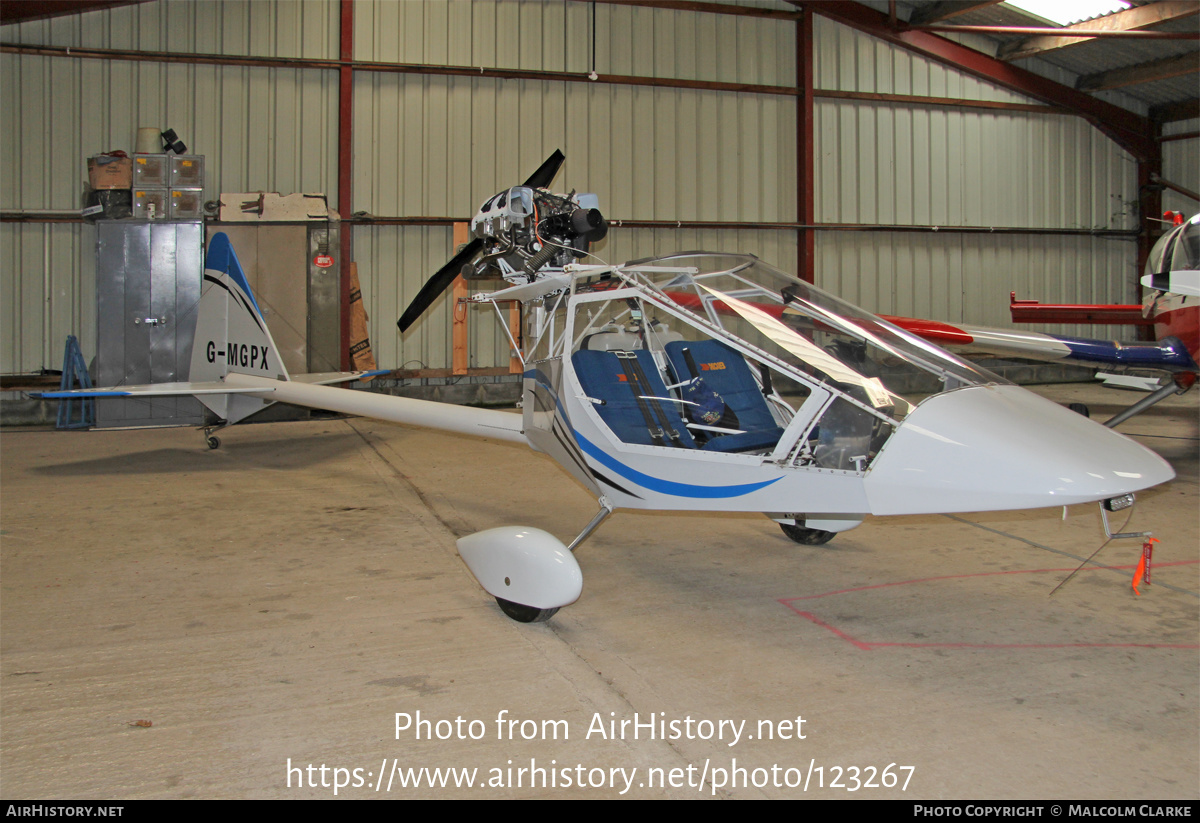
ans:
x=525 y=614
x=1080 y=408
x=210 y=439
x=809 y=537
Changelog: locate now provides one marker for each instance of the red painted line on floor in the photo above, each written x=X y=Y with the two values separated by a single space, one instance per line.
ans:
x=838 y=632
x=867 y=645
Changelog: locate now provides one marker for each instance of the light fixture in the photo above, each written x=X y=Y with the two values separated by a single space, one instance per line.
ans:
x=1066 y=12
x=1115 y=504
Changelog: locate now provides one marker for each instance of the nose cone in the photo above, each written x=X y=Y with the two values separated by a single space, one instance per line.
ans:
x=990 y=448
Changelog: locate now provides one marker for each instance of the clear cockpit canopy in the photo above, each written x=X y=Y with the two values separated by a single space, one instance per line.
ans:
x=1177 y=250
x=822 y=336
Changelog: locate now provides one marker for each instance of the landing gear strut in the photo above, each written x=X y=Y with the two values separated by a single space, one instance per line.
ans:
x=1180 y=384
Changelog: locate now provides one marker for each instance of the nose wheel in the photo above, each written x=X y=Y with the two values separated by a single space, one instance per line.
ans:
x=525 y=614
x=806 y=536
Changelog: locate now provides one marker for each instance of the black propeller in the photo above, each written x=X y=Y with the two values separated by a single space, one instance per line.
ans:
x=542 y=178
x=437 y=284
x=444 y=276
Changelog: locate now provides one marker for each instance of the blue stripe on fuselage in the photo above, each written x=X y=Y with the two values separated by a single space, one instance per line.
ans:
x=62 y=395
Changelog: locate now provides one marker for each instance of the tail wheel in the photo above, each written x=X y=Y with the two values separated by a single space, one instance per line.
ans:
x=525 y=614
x=806 y=536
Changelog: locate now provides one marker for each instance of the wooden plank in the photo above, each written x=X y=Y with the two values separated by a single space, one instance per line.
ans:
x=460 y=356
x=514 y=328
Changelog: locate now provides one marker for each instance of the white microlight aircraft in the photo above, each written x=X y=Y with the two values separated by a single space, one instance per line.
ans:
x=696 y=381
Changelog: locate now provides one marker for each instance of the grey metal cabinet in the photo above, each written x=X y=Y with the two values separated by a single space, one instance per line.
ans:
x=148 y=278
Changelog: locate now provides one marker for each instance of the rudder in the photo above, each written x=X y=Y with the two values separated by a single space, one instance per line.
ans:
x=231 y=334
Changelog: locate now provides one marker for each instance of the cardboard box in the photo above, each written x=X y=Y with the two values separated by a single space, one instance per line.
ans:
x=256 y=206
x=108 y=172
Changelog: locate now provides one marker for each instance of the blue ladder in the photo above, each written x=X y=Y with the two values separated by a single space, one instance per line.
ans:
x=75 y=371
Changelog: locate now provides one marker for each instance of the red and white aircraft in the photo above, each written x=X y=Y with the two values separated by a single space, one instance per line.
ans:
x=1171 y=307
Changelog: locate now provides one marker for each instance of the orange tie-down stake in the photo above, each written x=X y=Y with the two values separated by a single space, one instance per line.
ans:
x=1143 y=566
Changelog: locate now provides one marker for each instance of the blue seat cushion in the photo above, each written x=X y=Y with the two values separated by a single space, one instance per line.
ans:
x=603 y=378
x=727 y=373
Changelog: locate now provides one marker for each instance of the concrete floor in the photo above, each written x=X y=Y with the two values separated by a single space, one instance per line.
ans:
x=280 y=600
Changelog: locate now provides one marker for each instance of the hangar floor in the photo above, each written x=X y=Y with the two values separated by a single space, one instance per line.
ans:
x=184 y=623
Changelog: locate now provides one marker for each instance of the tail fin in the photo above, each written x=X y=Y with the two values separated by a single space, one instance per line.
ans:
x=231 y=334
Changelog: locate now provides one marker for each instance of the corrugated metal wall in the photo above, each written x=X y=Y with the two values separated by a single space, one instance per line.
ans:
x=442 y=145
x=557 y=36
x=423 y=145
x=265 y=28
x=47 y=281
x=968 y=278
x=1181 y=165
x=438 y=146
x=259 y=129
x=909 y=166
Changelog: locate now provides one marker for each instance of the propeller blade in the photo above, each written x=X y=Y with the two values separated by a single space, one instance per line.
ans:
x=437 y=284
x=542 y=178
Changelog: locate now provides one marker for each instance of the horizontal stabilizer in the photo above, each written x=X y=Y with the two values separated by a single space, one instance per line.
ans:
x=149 y=390
x=1129 y=381
x=208 y=388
